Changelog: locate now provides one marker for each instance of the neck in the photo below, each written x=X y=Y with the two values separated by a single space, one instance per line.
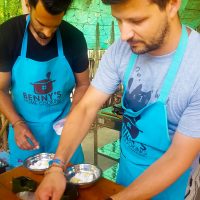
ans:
x=171 y=40
x=42 y=42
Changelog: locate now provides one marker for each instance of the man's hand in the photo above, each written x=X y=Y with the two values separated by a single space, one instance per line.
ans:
x=24 y=138
x=52 y=186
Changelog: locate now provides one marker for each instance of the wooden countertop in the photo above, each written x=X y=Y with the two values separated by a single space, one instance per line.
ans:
x=99 y=191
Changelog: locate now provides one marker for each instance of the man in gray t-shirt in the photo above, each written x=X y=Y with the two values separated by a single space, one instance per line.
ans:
x=183 y=104
x=157 y=62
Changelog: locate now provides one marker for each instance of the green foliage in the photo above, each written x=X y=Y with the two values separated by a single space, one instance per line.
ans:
x=9 y=8
x=190 y=13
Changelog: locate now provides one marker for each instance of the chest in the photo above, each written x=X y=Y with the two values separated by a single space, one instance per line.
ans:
x=146 y=82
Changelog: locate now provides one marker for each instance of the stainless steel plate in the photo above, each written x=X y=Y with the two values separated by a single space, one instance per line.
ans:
x=43 y=157
x=83 y=175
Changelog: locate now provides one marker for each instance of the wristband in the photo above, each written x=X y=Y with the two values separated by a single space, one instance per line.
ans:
x=20 y=121
x=57 y=163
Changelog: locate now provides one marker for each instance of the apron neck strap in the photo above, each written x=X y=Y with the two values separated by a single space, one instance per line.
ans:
x=59 y=43
x=130 y=67
x=174 y=67
x=25 y=41
x=25 y=38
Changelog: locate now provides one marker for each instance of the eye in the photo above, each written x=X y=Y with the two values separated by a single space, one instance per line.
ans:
x=137 y=21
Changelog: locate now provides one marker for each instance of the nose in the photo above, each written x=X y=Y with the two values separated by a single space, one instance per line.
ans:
x=126 y=31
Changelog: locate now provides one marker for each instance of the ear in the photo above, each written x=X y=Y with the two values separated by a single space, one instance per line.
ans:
x=172 y=8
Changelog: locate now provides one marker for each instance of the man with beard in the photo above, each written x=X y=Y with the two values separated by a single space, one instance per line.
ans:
x=157 y=61
x=42 y=60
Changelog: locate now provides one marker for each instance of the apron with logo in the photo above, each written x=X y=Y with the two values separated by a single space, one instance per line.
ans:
x=41 y=95
x=144 y=136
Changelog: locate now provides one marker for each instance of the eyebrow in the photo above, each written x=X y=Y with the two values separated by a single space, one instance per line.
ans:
x=134 y=18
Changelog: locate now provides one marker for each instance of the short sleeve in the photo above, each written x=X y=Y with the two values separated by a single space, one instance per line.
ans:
x=6 y=58
x=189 y=123
x=107 y=77
x=75 y=47
x=11 y=35
x=80 y=59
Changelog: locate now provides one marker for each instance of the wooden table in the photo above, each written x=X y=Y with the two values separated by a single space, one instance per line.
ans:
x=99 y=191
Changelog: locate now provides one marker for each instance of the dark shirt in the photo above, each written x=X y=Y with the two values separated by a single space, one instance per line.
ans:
x=11 y=36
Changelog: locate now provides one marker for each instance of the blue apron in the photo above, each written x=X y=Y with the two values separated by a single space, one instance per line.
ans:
x=144 y=136
x=41 y=95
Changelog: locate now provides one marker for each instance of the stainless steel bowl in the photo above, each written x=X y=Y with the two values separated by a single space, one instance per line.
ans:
x=32 y=162
x=83 y=175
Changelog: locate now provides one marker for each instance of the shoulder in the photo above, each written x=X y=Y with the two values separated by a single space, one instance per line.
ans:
x=115 y=58
x=192 y=58
x=70 y=32
x=74 y=46
x=194 y=37
x=15 y=24
x=194 y=42
x=74 y=43
x=112 y=67
x=120 y=45
x=11 y=32
x=118 y=53
x=119 y=49
x=11 y=35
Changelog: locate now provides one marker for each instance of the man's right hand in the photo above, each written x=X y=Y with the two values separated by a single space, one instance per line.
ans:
x=52 y=186
x=24 y=138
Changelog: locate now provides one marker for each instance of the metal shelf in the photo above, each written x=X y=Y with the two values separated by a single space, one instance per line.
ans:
x=105 y=118
x=111 y=173
x=110 y=150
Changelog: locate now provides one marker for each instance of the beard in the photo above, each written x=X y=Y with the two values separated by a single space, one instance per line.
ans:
x=154 y=44
x=42 y=36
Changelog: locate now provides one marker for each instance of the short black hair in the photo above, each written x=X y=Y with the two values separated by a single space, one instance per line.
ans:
x=53 y=7
x=161 y=3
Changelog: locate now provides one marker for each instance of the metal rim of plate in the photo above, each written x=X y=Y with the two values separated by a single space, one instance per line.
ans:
x=72 y=170
x=31 y=159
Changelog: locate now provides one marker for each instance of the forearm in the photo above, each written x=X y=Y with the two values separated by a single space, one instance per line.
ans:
x=75 y=129
x=78 y=94
x=164 y=171
x=7 y=107
x=79 y=121
x=154 y=180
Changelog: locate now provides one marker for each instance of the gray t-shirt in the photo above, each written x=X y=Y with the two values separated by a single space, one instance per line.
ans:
x=183 y=104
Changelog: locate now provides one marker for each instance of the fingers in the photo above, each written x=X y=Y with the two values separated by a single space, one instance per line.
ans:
x=25 y=140
x=56 y=196
x=24 y=144
x=42 y=196
x=32 y=141
x=47 y=193
x=49 y=187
